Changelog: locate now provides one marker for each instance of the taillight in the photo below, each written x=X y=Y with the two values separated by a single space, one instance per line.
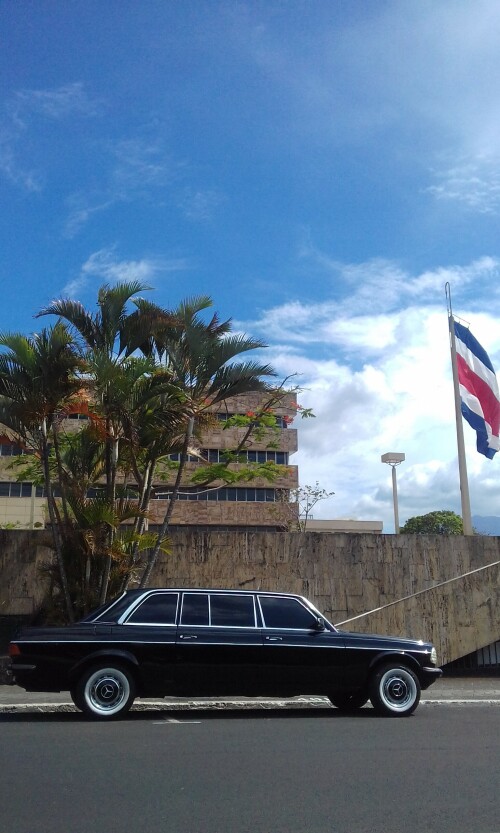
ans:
x=14 y=650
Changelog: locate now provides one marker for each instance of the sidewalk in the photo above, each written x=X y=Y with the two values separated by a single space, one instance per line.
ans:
x=452 y=690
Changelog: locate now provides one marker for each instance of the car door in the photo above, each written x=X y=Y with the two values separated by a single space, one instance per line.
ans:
x=149 y=632
x=299 y=658
x=219 y=644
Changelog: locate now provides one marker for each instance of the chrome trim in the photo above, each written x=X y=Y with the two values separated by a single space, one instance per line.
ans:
x=232 y=644
x=394 y=650
x=146 y=625
x=101 y=642
x=315 y=642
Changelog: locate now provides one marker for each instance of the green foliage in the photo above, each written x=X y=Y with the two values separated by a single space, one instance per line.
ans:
x=148 y=380
x=227 y=473
x=442 y=522
x=307 y=497
x=300 y=502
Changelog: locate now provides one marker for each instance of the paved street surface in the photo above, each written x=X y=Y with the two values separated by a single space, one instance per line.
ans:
x=458 y=689
x=253 y=771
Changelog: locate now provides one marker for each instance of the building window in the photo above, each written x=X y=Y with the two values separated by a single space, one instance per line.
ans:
x=218 y=455
x=176 y=457
x=9 y=489
x=224 y=493
x=11 y=450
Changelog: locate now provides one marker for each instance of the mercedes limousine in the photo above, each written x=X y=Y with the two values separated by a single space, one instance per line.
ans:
x=193 y=642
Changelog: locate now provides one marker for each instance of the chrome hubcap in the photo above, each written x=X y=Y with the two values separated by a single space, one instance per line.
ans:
x=398 y=690
x=106 y=691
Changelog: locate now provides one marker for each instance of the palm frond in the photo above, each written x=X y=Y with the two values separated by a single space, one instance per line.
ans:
x=76 y=315
x=235 y=379
x=112 y=302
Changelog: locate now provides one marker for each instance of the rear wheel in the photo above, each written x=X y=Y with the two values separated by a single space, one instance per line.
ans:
x=394 y=690
x=349 y=702
x=105 y=692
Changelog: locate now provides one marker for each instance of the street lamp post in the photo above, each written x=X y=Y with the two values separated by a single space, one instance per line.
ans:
x=393 y=459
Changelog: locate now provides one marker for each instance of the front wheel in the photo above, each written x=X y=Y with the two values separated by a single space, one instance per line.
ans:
x=394 y=690
x=105 y=691
x=349 y=702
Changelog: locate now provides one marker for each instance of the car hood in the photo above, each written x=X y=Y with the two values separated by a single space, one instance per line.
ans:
x=374 y=640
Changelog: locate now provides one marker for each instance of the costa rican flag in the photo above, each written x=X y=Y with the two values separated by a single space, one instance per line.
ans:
x=480 y=400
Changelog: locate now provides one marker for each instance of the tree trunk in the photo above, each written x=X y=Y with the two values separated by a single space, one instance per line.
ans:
x=112 y=497
x=168 y=514
x=54 y=525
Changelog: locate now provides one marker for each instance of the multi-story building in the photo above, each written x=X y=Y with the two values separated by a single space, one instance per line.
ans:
x=257 y=503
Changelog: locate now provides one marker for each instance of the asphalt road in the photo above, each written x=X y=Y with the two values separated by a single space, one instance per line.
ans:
x=252 y=772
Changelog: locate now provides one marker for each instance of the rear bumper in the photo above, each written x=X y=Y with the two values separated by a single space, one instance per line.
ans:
x=28 y=676
x=429 y=676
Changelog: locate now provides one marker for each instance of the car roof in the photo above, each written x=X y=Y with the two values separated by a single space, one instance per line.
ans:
x=238 y=590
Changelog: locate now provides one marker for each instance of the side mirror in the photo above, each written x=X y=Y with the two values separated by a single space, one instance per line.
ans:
x=319 y=624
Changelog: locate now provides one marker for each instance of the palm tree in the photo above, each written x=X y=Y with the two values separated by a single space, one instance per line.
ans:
x=107 y=339
x=104 y=341
x=201 y=358
x=38 y=377
x=153 y=405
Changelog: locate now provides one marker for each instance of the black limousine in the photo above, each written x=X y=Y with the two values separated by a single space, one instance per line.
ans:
x=194 y=642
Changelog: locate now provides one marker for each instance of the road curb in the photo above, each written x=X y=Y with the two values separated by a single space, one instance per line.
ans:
x=224 y=705
x=190 y=705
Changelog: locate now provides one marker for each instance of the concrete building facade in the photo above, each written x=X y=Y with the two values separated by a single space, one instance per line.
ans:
x=257 y=503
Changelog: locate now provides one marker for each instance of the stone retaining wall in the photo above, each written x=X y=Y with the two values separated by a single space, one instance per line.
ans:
x=344 y=574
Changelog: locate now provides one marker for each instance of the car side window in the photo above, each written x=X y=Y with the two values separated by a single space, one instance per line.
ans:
x=158 y=609
x=195 y=609
x=285 y=613
x=232 y=611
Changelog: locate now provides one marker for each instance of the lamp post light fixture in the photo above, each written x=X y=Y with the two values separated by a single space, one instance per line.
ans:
x=393 y=459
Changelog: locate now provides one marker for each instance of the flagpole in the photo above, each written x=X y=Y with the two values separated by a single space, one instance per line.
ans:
x=462 y=464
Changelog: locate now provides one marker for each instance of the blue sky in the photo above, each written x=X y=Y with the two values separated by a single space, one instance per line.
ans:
x=321 y=169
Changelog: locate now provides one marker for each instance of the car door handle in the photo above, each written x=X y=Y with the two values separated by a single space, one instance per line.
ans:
x=187 y=636
x=274 y=638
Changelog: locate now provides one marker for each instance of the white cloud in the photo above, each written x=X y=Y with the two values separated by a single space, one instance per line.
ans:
x=104 y=265
x=365 y=315
x=136 y=169
x=200 y=205
x=82 y=208
x=420 y=77
x=474 y=183
x=56 y=103
x=139 y=164
x=386 y=386
x=20 y=115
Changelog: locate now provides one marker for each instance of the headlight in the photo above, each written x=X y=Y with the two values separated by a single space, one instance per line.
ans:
x=434 y=656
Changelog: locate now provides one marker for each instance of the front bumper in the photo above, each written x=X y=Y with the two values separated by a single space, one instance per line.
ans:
x=429 y=676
